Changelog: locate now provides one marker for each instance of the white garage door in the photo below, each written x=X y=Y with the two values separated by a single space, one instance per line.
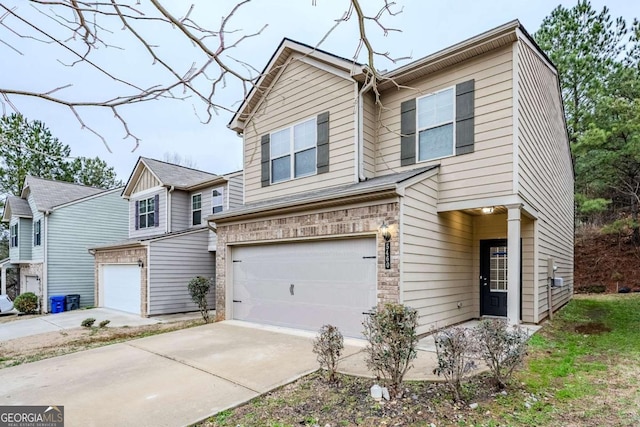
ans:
x=121 y=287
x=306 y=285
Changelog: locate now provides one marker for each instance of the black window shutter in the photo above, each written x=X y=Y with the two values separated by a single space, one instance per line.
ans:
x=156 y=205
x=464 y=117
x=136 y=214
x=322 y=123
x=265 y=160
x=408 y=132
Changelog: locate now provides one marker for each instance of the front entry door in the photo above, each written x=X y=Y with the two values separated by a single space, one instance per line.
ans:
x=493 y=277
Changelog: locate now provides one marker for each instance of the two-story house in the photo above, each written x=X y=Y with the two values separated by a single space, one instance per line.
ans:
x=169 y=241
x=51 y=225
x=448 y=188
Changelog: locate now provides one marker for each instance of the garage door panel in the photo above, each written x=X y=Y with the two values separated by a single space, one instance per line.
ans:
x=333 y=282
x=121 y=287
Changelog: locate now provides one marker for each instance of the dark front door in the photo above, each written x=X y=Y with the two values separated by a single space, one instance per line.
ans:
x=493 y=277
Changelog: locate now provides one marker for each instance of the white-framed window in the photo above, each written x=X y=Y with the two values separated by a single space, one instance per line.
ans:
x=196 y=209
x=37 y=233
x=293 y=151
x=217 y=200
x=436 y=125
x=13 y=236
x=146 y=213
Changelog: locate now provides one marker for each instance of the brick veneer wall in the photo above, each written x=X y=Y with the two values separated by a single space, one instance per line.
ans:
x=123 y=256
x=337 y=223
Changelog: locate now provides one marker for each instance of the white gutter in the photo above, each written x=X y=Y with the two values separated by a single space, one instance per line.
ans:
x=45 y=264
x=360 y=132
x=168 y=209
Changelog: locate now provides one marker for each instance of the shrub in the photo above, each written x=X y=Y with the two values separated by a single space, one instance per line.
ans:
x=391 y=332
x=328 y=345
x=455 y=349
x=104 y=323
x=88 y=322
x=501 y=347
x=199 y=287
x=26 y=303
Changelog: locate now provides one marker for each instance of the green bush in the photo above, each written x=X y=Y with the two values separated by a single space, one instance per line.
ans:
x=501 y=347
x=104 y=323
x=88 y=322
x=199 y=288
x=391 y=332
x=26 y=303
x=328 y=345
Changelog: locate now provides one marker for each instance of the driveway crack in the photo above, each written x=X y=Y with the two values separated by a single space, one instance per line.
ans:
x=185 y=363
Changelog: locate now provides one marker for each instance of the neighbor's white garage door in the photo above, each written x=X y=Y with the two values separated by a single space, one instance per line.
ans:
x=121 y=287
x=306 y=285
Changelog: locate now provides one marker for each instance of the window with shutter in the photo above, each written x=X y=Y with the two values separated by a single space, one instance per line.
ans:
x=438 y=125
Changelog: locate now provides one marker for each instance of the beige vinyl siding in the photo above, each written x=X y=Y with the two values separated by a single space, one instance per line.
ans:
x=235 y=187
x=302 y=92
x=173 y=262
x=369 y=131
x=162 y=214
x=146 y=181
x=180 y=210
x=436 y=259
x=488 y=171
x=494 y=226
x=545 y=173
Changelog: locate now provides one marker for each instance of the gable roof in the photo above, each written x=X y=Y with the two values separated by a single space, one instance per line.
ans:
x=15 y=206
x=279 y=59
x=47 y=193
x=375 y=188
x=487 y=41
x=170 y=175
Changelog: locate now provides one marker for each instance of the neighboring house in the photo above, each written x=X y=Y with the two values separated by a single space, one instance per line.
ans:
x=464 y=165
x=168 y=242
x=51 y=226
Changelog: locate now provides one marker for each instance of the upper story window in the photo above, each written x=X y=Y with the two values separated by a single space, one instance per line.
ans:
x=37 y=233
x=13 y=236
x=217 y=200
x=435 y=115
x=196 y=209
x=293 y=151
x=146 y=212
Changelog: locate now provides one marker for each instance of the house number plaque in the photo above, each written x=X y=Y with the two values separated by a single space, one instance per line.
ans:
x=387 y=255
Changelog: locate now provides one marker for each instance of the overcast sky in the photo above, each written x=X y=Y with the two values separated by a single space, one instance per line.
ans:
x=173 y=126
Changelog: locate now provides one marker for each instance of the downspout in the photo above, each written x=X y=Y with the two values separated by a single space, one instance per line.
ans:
x=360 y=136
x=45 y=264
x=168 y=208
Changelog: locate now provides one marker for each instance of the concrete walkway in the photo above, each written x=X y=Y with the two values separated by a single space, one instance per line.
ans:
x=180 y=377
x=19 y=328
x=170 y=379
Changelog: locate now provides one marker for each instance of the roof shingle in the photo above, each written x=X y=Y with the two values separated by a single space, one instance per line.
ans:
x=176 y=175
x=47 y=193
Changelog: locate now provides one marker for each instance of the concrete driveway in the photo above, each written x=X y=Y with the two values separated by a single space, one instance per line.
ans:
x=68 y=320
x=171 y=379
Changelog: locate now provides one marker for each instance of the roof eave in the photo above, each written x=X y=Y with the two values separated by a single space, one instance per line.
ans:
x=286 y=47
x=374 y=193
x=506 y=31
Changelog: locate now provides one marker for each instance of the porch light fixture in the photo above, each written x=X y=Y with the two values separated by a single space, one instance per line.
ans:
x=385 y=232
x=140 y=263
x=487 y=210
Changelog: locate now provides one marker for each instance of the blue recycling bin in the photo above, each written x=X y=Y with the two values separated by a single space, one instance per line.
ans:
x=57 y=303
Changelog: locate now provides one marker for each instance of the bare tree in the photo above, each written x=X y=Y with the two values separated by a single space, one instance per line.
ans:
x=79 y=29
x=178 y=159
